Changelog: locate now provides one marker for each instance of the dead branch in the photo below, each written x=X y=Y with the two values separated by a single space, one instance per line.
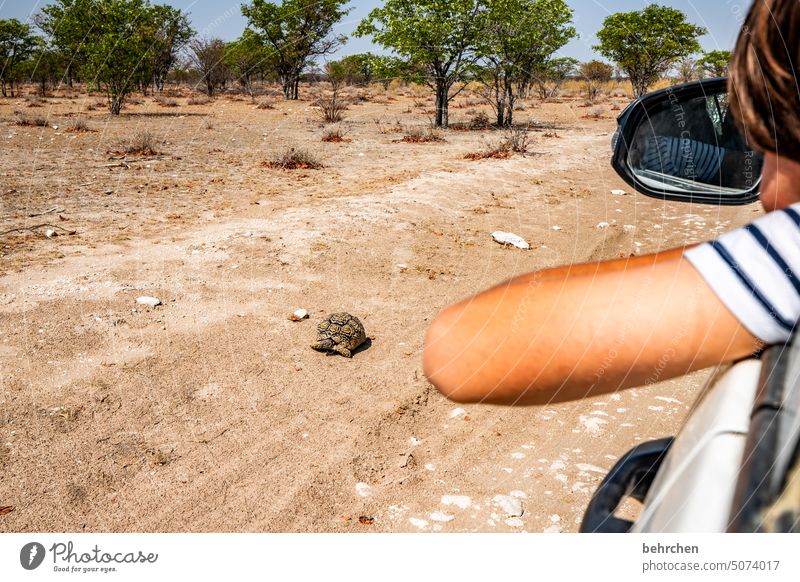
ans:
x=33 y=229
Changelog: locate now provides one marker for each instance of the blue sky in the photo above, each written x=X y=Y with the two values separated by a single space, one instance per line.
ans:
x=222 y=18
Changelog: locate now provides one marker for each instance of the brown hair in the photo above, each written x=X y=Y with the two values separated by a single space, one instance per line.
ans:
x=764 y=88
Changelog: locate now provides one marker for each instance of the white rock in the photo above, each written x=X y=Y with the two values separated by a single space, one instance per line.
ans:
x=299 y=315
x=556 y=228
x=460 y=501
x=419 y=523
x=618 y=192
x=147 y=300
x=514 y=522
x=402 y=267
x=50 y=233
x=442 y=516
x=363 y=489
x=510 y=505
x=509 y=238
x=603 y=225
x=457 y=412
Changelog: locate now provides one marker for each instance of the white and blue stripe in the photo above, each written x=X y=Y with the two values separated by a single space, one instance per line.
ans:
x=755 y=271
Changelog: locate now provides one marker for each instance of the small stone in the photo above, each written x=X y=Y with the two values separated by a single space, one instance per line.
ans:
x=147 y=300
x=50 y=233
x=618 y=192
x=603 y=225
x=299 y=315
x=510 y=239
x=363 y=489
x=402 y=267
x=511 y=506
x=556 y=228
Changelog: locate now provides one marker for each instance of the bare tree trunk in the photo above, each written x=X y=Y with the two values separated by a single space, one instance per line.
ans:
x=3 y=84
x=442 y=103
x=116 y=104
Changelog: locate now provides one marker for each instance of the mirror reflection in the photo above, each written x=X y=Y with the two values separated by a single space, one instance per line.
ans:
x=693 y=145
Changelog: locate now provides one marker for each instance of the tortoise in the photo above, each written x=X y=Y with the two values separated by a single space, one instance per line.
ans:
x=341 y=333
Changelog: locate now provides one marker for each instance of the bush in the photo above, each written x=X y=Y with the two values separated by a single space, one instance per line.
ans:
x=596 y=113
x=515 y=141
x=79 y=125
x=198 y=100
x=266 y=104
x=332 y=108
x=26 y=121
x=335 y=134
x=164 y=102
x=421 y=135
x=294 y=159
x=142 y=143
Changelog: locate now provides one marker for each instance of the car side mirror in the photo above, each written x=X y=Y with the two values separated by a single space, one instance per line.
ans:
x=682 y=143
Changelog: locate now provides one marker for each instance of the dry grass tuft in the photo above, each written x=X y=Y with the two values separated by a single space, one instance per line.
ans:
x=79 y=125
x=266 y=104
x=25 y=121
x=198 y=100
x=335 y=134
x=421 y=135
x=596 y=113
x=294 y=159
x=165 y=102
x=478 y=121
x=142 y=143
x=515 y=141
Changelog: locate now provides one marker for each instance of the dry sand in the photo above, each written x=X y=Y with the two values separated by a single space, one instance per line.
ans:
x=210 y=412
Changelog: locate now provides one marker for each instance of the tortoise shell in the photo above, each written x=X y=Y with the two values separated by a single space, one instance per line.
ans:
x=341 y=333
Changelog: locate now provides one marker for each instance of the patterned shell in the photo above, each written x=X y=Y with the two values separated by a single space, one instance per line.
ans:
x=341 y=333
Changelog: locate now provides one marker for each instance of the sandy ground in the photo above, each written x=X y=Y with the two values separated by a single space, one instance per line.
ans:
x=210 y=412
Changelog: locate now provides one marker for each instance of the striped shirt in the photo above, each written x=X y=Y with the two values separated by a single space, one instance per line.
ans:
x=754 y=271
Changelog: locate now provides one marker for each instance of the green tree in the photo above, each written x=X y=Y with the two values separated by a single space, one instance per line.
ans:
x=549 y=77
x=646 y=43
x=437 y=36
x=596 y=74
x=518 y=41
x=167 y=31
x=66 y=23
x=45 y=67
x=17 y=42
x=247 y=58
x=296 y=31
x=715 y=63
x=112 y=43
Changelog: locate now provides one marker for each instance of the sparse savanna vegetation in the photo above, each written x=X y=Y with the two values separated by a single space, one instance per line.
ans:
x=141 y=143
x=294 y=158
x=170 y=197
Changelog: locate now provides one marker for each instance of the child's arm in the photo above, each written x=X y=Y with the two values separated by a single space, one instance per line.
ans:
x=571 y=332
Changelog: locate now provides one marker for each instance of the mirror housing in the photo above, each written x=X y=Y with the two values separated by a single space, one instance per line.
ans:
x=681 y=144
